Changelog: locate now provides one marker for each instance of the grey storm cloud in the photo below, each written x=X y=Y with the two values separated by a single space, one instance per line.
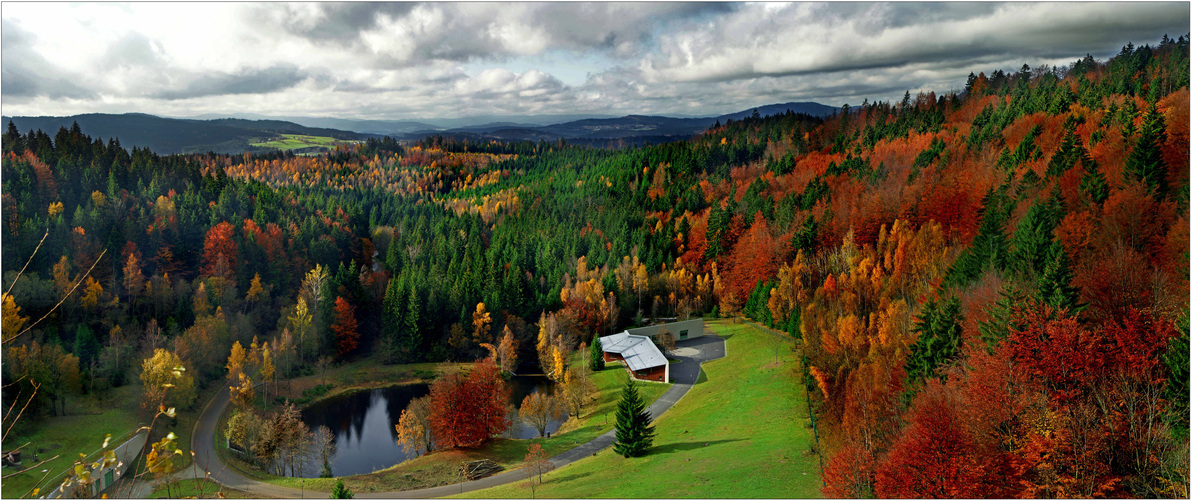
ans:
x=606 y=25
x=248 y=81
x=411 y=60
x=134 y=49
x=824 y=38
x=27 y=74
x=334 y=22
x=470 y=31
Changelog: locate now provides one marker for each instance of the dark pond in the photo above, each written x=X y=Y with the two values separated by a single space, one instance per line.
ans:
x=364 y=424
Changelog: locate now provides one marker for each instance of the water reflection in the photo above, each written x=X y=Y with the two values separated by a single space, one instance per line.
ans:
x=364 y=427
x=521 y=386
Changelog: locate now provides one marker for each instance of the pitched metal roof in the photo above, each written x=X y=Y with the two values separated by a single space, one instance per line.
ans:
x=638 y=352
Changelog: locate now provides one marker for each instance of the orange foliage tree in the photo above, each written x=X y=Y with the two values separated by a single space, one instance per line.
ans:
x=219 y=249
x=755 y=257
x=347 y=336
x=466 y=411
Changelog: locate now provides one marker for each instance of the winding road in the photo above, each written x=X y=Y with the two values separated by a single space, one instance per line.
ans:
x=684 y=375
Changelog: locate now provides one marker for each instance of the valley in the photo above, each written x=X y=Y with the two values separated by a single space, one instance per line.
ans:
x=457 y=264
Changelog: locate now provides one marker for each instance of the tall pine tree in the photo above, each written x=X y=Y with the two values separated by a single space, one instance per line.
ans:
x=939 y=338
x=1054 y=285
x=633 y=432
x=1002 y=315
x=596 y=355
x=1145 y=160
x=1093 y=184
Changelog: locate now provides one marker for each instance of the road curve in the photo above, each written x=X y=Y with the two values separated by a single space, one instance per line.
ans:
x=684 y=375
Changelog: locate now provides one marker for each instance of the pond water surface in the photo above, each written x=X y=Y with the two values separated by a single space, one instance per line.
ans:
x=364 y=424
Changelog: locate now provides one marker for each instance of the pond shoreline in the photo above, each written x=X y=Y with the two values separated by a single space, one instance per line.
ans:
x=337 y=391
x=433 y=469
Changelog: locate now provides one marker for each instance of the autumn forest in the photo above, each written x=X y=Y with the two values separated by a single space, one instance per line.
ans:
x=989 y=287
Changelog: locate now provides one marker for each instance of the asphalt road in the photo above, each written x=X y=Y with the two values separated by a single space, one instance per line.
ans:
x=683 y=376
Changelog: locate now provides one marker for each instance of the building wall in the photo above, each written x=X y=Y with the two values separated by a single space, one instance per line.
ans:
x=693 y=327
x=126 y=455
x=656 y=374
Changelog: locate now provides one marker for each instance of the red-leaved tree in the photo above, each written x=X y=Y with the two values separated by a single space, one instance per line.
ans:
x=347 y=335
x=466 y=411
x=936 y=457
x=217 y=246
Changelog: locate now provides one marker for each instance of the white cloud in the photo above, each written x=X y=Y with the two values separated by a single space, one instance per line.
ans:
x=426 y=60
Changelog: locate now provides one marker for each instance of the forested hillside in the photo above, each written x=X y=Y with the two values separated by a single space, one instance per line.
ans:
x=177 y=135
x=991 y=287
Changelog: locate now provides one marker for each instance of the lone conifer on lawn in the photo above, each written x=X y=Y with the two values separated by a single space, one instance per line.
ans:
x=633 y=432
x=341 y=491
x=596 y=353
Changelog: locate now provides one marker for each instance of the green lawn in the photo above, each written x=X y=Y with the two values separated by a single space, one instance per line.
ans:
x=744 y=432
x=197 y=488
x=439 y=468
x=88 y=421
x=295 y=141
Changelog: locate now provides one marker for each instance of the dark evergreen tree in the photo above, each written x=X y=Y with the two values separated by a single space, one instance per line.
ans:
x=1070 y=151
x=794 y=324
x=939 y=338
x=1144 y=162
x=1002 y=315
x=634 y=435
x=596 y=355
x=341 y=491
x=412 y=334
x=1176 y=359
x=1032 y=238
x=86 y=346
x=1093 y=184
x=1054 y=285
x=989 y=247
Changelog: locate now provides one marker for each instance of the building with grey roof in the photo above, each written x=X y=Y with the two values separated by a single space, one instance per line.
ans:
x=639 y=354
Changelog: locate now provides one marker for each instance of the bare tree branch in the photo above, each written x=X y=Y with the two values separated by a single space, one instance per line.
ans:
x=68 y=294
x=14 y=421
x=26 y=266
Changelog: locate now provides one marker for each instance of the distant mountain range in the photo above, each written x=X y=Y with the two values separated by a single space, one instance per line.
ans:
x=173 y=135
x=235 y=135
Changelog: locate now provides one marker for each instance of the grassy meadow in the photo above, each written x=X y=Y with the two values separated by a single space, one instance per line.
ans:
x=742 y=432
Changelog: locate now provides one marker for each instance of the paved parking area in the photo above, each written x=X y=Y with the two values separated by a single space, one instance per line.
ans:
x=705 y=348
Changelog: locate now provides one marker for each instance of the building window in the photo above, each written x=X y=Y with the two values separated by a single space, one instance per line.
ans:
x=682 y=335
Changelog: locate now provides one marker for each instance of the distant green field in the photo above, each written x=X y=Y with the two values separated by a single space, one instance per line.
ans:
x=287 y=142
x=743 y=432
x=83 y=430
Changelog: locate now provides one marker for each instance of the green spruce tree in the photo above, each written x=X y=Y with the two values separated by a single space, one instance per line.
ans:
x=341 y=491
x=1054 y=285
x=1093 y=184
x=596 y=355
x=633 y=432
x=1176 y=360
x=939 y=338
x=1002 y=315
x=1033 y=236
x=412 y=335
x=1145 y=160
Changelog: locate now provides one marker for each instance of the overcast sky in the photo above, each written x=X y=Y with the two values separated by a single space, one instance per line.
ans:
x=446 y=60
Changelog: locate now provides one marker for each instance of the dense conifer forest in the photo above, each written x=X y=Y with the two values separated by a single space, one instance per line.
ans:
x=990 y=287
